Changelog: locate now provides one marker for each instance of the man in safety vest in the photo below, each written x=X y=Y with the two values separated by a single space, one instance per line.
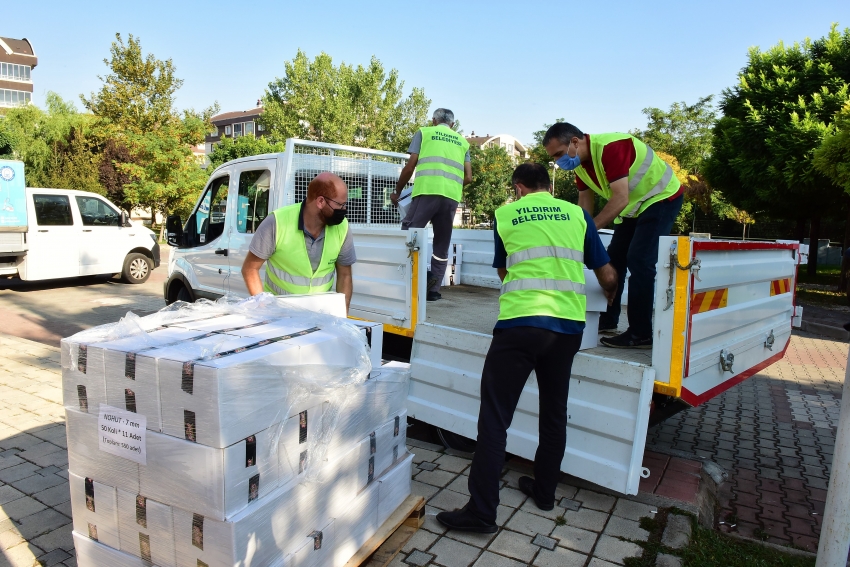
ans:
x=542 y=245
x=304 y=244
x=440 y=157
x=644 y=197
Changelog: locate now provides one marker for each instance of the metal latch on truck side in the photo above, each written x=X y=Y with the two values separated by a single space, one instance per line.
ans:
x=727 y=359
x=768 y=342
x=692 y=266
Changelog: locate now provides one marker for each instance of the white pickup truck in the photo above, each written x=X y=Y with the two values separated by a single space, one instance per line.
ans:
x=62 y=233
x=723 y=309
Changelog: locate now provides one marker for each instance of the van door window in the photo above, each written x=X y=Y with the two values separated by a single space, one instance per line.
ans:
x=209 y=218
x=253 y=200
x=52 y=210
x=97 y=213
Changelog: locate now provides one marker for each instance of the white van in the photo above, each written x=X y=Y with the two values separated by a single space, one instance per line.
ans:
x=71 y=233
x=723 y=310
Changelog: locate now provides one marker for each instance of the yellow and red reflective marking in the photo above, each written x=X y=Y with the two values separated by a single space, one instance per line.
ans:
x=780 y=286
x=709 y=300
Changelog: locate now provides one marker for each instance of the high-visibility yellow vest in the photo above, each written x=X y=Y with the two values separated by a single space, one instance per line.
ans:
x=439 y=170
x=651 y=179
x=544 y=240
x=288 y=270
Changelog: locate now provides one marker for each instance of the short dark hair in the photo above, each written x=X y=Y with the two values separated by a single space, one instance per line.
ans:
x=532 y=175
x=563 y=132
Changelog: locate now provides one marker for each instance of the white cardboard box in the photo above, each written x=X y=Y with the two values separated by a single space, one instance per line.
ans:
x=83 y=383
x=146 y=529
x=393 y=488
x=356 y=525
x=374 y=338
x=90 y=553
x=87 y=460
x=217 y=483
x=317 y=549
x=94 y=509
x=219 y=401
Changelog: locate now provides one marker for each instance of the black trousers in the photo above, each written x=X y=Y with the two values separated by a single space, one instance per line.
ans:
x=513 y=354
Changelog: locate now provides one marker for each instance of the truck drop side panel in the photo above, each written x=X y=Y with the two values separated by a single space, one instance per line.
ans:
x=608 y=409
x=741 y=305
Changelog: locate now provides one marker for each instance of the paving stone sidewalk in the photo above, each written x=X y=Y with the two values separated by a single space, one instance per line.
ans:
x=35 y=512
x=774 y=434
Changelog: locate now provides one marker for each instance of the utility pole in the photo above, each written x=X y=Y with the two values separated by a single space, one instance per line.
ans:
x=834 y=541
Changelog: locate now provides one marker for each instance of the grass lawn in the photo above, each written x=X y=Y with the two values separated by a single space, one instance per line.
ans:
x=709 y=548
x=811 y=291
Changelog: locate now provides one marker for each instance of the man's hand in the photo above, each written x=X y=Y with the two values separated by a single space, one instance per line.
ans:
x=251 y=273
x=394 y=198
x=344 y=283
x=607 y=277
x=615 y=205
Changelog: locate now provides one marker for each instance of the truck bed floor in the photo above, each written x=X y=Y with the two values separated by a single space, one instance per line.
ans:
x=477 y=308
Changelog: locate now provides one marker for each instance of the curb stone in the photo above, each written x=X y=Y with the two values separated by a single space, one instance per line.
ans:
x=677 y=533
x=825 y=330
x=664 y=560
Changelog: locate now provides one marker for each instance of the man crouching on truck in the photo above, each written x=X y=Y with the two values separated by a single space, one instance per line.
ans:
x=541 y=244
x=644 y=197
x=304 y=243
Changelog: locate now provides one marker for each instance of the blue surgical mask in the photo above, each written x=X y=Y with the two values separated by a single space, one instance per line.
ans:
x=568 y=163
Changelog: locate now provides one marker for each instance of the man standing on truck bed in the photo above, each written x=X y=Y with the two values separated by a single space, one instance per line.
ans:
x=304 y=243
x=541 y=243
x=440 y=157
x=644 y=198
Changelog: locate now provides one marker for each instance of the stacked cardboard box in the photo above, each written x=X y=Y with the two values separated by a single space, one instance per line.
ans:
x=248 y=439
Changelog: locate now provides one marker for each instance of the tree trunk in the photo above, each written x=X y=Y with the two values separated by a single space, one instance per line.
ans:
x=814 y=235
x=845 y=263
x=801 y=230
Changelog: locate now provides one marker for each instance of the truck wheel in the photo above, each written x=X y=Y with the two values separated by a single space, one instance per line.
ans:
x=137 y=268
x=183 y=295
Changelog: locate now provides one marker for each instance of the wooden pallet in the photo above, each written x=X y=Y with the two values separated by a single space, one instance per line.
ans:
x=392 y=535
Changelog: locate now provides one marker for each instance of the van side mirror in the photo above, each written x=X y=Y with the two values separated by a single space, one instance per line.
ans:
x=125 y=219
x=174 y=230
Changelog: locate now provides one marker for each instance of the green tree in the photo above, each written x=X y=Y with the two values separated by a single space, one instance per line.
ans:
x=356 y=106
x=244 y=146
x=135 y=109
x=490 y=188
x=832 y=158
x=58 y=145
x=684 y=131
x=773 y=121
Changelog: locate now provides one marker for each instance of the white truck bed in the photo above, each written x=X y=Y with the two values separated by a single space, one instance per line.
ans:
x=476 y=309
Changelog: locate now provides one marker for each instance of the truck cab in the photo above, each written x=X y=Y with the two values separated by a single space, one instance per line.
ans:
x=723 y=310
x=63 y=233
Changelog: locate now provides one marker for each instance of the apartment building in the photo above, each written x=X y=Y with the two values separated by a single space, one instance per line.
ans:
x=17 y=60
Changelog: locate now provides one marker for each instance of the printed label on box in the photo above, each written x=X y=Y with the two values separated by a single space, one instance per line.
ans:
x=254 y=487
x=130 y=366
x=84 y=400
x=93 y=531
x=122 y=433
x=198 y=531
x=82 y=359
x=142 y=511
x=145 y=546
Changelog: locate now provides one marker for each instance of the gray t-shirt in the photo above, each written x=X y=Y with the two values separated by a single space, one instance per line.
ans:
x=415 y=146
x=264 y=243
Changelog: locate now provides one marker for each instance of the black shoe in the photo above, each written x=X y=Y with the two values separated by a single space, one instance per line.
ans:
x=465 y=521
x=626 y=340
x=526 y=484
x=431 y=280
x=433 y=296
x=605 y=327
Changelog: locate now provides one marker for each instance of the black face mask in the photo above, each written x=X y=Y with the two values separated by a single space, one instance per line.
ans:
x=336 y=217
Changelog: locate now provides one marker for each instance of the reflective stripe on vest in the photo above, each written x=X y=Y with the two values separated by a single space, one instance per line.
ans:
x=543 y=285
x=545 y=280
x=440 y=167
x=545 y=252
x=288 y=269
x=649 y=182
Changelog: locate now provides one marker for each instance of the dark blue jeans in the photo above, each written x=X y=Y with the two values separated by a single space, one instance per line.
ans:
x=635 y=246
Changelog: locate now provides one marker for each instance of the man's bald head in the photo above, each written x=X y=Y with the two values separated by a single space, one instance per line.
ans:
x=329 y=186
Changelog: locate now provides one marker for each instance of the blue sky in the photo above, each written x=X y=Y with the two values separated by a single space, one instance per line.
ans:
x=502 y=67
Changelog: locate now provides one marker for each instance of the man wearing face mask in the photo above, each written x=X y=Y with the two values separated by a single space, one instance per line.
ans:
x=304 y=244
x=644 y=197
x=541 y=246
x=440 y=158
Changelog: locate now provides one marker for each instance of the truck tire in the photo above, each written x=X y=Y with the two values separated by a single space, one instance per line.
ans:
x=137 y=268
x=183 y=294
